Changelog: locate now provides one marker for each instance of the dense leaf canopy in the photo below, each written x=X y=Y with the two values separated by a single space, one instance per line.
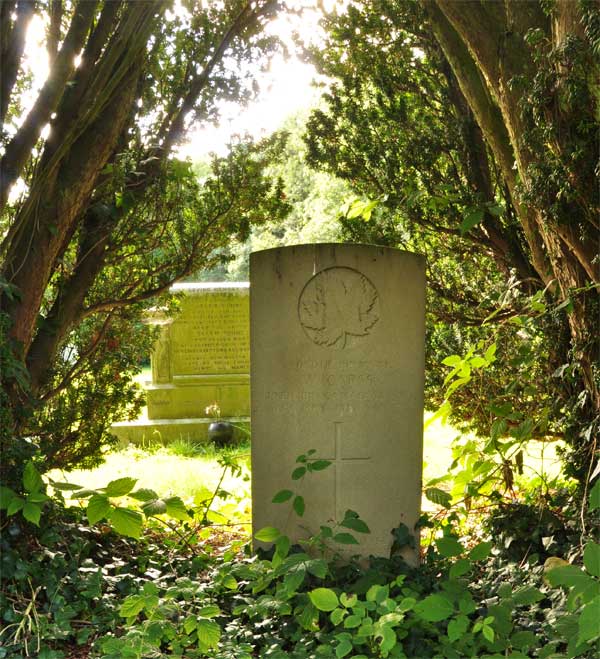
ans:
x=109 y=217
x=474 y=128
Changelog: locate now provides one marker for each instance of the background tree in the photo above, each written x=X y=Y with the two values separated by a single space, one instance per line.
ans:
x=404 y=128
x=315 y=198
x=110 y=218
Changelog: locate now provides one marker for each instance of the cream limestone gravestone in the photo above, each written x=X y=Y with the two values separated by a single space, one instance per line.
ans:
x=337 y=354
x=202 y=357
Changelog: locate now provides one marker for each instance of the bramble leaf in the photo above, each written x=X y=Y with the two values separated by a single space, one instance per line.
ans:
x=591 y=558
x=436 y=495
x=434 y=608
x=176 y=508
x=120 y=486
x=97 y=508
x=126 y=522
x=324 y=599
x=449 y=546
x=267 y=534
x=15 y=504
x=282 y=496
x=144 y=494
x=32 y=513
x=595 y=496
x=589 y=625
x=32 y=481
x=481 y=551
x=132 y=606
x=6 y=496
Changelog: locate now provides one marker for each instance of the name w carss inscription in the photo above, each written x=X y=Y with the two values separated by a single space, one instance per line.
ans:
x=337 y=366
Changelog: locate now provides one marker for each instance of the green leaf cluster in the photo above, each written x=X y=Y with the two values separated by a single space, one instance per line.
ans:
x=32 y=499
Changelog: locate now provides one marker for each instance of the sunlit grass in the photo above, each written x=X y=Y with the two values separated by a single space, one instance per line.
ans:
x=191 y=470
x=167 y=472
x=437 y=452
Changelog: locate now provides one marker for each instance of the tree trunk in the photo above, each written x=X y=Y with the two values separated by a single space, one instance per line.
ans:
x=11 y=47
x=67 y=307
x=486 y=47
x=19 y=148
x=49 y=217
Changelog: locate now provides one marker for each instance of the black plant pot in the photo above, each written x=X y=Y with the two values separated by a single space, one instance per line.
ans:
x=220 y=433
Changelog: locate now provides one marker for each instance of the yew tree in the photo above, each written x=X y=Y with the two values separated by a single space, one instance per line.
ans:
x=98 y=214
x=476 y=127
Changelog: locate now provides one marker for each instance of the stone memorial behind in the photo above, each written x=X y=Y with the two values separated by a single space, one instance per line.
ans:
x=337 y=353
x=202 y=357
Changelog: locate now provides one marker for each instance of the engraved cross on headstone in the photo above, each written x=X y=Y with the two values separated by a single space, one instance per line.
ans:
x=338 y=462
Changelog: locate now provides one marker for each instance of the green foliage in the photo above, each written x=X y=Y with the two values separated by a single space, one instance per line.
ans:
x=127 y=510
x=135 y=219
x=421 y=160
x=314 y=199
x=194 y=633
x=579 y=625
x=91 y=384
x=166 y=596
x=32 y=500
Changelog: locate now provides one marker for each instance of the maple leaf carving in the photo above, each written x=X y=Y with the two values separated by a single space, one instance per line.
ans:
x=336 y=303
x=312 y=309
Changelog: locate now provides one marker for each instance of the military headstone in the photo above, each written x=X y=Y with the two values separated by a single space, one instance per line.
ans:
x=337 y=353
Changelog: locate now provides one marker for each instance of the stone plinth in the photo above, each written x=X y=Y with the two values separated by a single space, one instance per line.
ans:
x=202 y=357
x=337 y=352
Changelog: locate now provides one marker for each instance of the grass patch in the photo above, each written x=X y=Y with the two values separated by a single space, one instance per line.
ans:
x=188 y=470
x=191 y=470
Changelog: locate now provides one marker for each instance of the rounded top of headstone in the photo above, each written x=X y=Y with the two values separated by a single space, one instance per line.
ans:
x=333 y=247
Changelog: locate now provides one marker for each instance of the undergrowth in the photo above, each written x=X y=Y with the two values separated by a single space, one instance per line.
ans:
x=75 y=590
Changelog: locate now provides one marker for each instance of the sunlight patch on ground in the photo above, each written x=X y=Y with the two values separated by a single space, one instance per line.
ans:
x=194 y=479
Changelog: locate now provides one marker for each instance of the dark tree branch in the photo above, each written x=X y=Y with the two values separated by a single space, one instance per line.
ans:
x=13 y=44
x=56 y=12
x=19 y=148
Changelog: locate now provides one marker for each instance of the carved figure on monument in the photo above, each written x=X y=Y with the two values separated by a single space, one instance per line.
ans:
x=161 y=358
x=338 y=303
